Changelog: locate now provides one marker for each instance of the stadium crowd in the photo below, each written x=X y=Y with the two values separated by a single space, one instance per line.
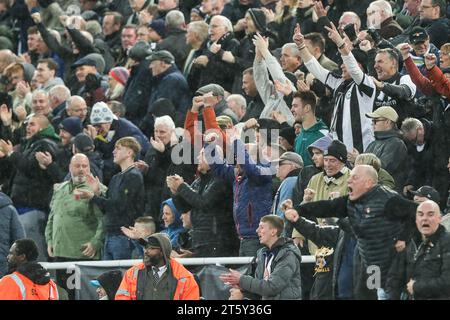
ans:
x=271 y=129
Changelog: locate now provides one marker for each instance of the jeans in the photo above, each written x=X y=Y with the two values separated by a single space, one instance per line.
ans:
x=249 y=247
x=33 y=223
x=117 y=247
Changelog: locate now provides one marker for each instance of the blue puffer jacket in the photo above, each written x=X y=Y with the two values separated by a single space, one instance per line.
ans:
x=10 y=230
x=252 y=190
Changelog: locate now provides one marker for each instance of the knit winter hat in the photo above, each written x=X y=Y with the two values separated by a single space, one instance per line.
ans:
x=120 y=74
x=338 y=150
x=101 y=113
x=83 y=142
x=288 y=134
x=159 y=26
x=163 y=107
x=72 y=125
x=259 y=18
x=321 y=144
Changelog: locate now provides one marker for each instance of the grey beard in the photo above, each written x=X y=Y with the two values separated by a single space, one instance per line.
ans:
x=78 y=179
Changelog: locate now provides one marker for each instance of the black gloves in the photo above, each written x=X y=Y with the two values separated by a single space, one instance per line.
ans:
x=92 y=82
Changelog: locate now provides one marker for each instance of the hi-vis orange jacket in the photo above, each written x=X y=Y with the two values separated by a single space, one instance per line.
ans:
x=18 y=287
x=186 y=288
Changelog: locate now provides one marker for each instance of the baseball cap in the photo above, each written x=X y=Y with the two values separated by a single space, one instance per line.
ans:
x=418 y=34
x=384 y=112
x=427 y=192
x=149 y=241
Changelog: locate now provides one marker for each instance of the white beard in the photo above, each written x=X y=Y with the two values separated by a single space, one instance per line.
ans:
x=78 y=179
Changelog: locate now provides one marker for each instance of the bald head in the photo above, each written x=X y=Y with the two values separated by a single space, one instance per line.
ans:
x=79 y=168
x=77 y=107
x=42 y=121
x=362 y=179
x=428 y=218
x=369 y=172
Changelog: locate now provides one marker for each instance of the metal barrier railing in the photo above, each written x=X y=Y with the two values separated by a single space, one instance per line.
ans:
x=184 y=261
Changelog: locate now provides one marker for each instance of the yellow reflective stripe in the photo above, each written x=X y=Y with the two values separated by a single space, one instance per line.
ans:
x=20 y=284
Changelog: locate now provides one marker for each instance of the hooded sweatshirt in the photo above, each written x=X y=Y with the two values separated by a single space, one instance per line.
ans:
x=173 y=230
x=307 y=137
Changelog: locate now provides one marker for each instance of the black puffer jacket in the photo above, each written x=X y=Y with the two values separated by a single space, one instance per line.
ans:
x=427 y=262
x=32 y=186
x=211 y=203
x=392 y=151
x=378 y=218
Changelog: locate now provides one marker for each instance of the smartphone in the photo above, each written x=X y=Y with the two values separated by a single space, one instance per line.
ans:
x=350 y=31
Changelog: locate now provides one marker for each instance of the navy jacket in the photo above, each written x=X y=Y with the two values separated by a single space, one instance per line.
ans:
x=10 y=230
x=252 y=191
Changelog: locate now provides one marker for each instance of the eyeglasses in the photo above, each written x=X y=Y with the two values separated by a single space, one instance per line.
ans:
x=375 y=121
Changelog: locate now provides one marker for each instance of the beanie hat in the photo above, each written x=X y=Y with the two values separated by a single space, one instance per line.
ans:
x=288 y=134
x=159 y=26
x=83 y=142
x=162 y=107
x=259 y=18
x=338 y=150
x=120 y=74
x=321 y=144
x=101 y=113
x=72 y=125
x=28 y=71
